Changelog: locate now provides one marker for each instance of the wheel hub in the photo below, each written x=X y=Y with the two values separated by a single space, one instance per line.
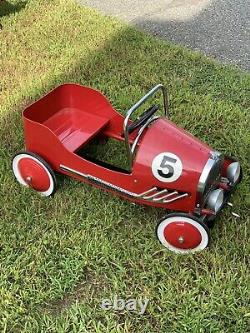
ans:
x=34 y=174
x=182 y=235
x=181 y=239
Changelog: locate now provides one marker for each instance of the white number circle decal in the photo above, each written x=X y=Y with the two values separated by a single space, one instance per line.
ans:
x=167 y=167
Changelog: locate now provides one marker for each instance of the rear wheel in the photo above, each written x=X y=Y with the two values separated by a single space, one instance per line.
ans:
x=32 y=171
x=182 y=233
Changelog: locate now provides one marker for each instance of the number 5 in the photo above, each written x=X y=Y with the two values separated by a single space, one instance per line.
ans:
x=169 y=172
x=167 y=167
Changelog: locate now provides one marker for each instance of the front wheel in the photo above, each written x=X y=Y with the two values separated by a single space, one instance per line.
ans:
x=32 y=171
x=182 y=233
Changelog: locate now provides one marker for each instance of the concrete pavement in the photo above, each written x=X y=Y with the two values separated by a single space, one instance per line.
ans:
x=219 y=28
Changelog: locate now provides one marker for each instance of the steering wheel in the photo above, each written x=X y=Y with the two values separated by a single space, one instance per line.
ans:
x=143 y=118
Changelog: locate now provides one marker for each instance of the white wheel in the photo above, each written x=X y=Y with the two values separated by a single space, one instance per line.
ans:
x=32 y=171
x=182 y=233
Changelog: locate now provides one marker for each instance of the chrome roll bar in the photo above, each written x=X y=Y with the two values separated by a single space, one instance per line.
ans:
x=131 y=148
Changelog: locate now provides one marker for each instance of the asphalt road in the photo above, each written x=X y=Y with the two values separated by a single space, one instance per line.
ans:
x=218 y=28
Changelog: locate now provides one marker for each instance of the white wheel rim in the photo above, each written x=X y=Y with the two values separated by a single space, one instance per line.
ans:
x=20 y=179
x=163 y=224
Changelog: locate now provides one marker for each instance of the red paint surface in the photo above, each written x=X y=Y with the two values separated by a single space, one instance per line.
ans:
x=39 y=179
x=190 y=234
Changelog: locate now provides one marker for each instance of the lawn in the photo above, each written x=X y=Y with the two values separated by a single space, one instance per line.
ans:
x=60 y=257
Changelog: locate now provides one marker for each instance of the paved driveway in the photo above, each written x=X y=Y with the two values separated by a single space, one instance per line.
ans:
x=219 y=28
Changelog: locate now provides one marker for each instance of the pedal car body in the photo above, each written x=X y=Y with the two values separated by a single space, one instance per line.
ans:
x=169 y=168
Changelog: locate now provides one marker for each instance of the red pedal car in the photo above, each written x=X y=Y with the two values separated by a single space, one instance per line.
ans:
x=169 y=168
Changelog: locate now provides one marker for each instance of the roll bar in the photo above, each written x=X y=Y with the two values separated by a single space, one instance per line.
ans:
x=131 y=148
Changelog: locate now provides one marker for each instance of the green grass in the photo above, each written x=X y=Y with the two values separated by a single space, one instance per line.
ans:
x=60 y=257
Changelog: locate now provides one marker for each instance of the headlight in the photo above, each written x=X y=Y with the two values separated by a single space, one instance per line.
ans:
x=233 y=172
x=215 y=200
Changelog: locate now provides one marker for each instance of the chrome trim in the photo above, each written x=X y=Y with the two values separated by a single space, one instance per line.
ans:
x=161 y=197
x=140 y=132
x=204 y=175
x=169 y=195
x=134 y=108
x=224 y=180
x=166 y=196
x=65 y=168
x=153 y=197
x=176 y=198
x=214 y=155
x=98 y=180
x=147 y=192
x=211 y=162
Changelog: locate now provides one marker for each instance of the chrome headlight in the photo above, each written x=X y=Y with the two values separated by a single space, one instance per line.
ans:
x=233 y=172
x=215 y=200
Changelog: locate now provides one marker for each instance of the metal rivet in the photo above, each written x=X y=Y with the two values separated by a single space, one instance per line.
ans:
x=181 y=240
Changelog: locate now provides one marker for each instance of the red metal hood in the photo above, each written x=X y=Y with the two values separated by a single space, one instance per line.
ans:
x=165 y=147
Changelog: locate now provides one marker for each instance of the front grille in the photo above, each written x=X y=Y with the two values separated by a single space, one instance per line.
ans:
x=210 y=177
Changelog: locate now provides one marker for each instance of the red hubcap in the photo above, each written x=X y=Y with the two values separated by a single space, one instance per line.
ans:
x=182 y=235
x=34 y=174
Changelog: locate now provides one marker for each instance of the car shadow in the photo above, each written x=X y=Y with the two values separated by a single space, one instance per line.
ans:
x=6 y=8
x=117 y=70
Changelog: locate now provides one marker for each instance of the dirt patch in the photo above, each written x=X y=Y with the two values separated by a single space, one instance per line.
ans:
x=85 y=290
